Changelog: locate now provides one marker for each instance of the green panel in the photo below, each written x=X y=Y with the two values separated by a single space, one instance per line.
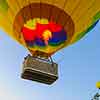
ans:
x=96 y=17
x=57 y=44
x=94 y=22
x=3 y=5
x=82 y=34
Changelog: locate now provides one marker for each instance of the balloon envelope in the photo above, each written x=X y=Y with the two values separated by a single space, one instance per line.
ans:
x=98 y=85
x=46 y=26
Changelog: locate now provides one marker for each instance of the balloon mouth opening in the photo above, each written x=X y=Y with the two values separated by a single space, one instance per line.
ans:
x=42 y=32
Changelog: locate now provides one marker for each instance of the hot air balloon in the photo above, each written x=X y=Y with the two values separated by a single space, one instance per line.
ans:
x=98 y=85
x=97 y=95
x=45 y=27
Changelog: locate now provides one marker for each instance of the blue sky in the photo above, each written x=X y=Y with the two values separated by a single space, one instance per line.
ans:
x=79 y=70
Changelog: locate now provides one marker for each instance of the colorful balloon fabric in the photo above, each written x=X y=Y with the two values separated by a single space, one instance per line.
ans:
x=43 y=34
x=46 y=26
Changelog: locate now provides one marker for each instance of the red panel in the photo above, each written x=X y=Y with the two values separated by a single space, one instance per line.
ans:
x=28 y=34
x=54 y=27
x=31 y=35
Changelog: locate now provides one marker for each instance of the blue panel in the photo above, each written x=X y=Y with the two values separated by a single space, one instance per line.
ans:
x=39 y=42
x=58 y=37
x=30 y=43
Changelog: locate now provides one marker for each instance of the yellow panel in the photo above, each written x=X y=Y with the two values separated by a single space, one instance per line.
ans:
x=82 y=25
x=13 y=5
x=5 y=18
x=12 y=10
x=22 y=3
x=85 y=5
x=34 y=1
x=71 y=5
x=84 y=19
x=11 y=15
x=0 y=20
x=59 y=3
x=7 y=15
x=7 y=28
x=47 y=1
